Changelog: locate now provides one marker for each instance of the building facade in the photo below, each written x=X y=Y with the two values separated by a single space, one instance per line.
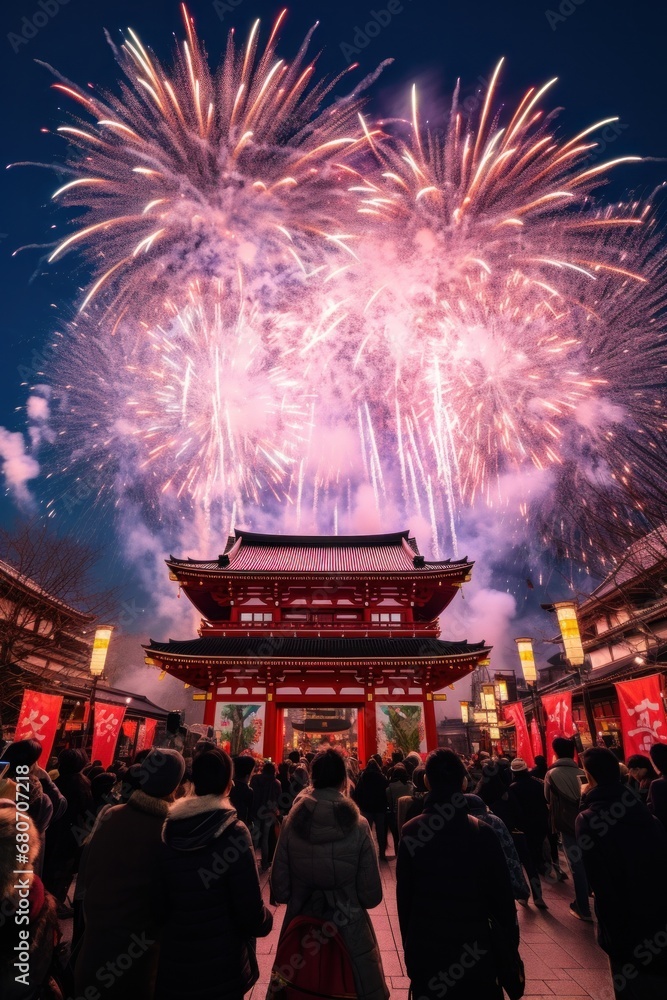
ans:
x=306 y=642
x=45 y=645
x=623 y=625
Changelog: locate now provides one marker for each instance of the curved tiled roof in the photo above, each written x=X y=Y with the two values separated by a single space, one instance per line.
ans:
x=277 y=647
x=248 y=552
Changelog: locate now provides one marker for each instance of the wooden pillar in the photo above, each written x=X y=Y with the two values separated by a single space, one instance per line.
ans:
x=209 y=706
x=430 y=730
x=270 y=728
x=369 y=727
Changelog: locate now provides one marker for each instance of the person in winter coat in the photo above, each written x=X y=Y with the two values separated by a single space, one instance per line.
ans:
x=65 y=836
x=44 y=930
x=213 y=901
x=541 y=767
x=371 y=797
x=624 y=850
x=641 y=774
x=399 y=787
x=326 y=864
x=267 y=795
x=562 y=789
x=451 y=879
x=46 y=802
x=481 y=812
x=526 y=795
x=657 y=793
x=410 y=806
x=242 y=796
x=299 y=781
x=123 y=884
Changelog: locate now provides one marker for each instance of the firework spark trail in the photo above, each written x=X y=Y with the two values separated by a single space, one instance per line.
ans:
x=499 y=271
x=189 y=174
x=294 y=303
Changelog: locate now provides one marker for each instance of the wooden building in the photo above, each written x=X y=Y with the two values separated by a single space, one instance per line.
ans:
x=324 y=640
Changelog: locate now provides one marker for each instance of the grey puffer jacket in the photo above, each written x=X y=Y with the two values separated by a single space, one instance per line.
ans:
x=325 y=856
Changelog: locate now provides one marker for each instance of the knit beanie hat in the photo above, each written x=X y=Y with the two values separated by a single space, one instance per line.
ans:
x=160 y=773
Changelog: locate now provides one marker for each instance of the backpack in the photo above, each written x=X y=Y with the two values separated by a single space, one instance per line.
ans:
x=312 y=961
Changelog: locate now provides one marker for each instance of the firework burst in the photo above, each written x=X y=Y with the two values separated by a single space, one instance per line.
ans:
x=189 y=174
x=425 y=314
x=497 y=279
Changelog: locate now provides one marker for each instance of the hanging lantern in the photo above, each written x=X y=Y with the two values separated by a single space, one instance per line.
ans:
x=527 y=658
x=98 y=656
x=569 y=630
x=465 y=712
x=489 y=698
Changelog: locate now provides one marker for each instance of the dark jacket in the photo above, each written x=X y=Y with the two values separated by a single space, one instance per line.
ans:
x=53 y=793
x=65 y=836
x=494 y=793
x=122 y=897
x=451 y=876
x=530 y=806
x=371 y=791
x=624 y=850
x=326 y=863
x=267 y=794
x=481 y=812
x=241 y=798
x=657 y=800
x=214 y=903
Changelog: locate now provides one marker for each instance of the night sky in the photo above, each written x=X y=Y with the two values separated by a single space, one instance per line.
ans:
x=608 y=55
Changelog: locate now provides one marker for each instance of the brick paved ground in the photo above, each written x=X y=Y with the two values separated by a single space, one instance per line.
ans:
x=561 y=956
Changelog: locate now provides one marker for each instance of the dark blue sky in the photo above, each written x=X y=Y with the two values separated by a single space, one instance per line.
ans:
x=608 y=54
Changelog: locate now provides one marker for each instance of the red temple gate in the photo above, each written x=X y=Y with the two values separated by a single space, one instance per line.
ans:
x=323 y=622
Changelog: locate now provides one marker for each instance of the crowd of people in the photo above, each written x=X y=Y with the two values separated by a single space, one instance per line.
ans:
x=158 y=866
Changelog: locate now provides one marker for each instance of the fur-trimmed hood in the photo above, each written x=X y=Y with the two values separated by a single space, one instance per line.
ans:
x=148 y=804
x=196 y=820
x=323 y=815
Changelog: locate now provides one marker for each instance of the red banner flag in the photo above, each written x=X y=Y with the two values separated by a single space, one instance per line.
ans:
x=514 y=713
x=149 y=734
x=535 y=737
x=38 y=720
x=108 y=720
x=558 y=713
x=643 y=720
x=146 y=734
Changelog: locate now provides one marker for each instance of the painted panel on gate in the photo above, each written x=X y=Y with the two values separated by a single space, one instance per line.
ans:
x=240 y=727
x=400 y=727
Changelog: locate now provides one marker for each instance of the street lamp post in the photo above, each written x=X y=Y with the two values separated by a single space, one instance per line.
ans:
x=98 y=659
x=568 y=622
x=465 y=719
x=527 y=659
